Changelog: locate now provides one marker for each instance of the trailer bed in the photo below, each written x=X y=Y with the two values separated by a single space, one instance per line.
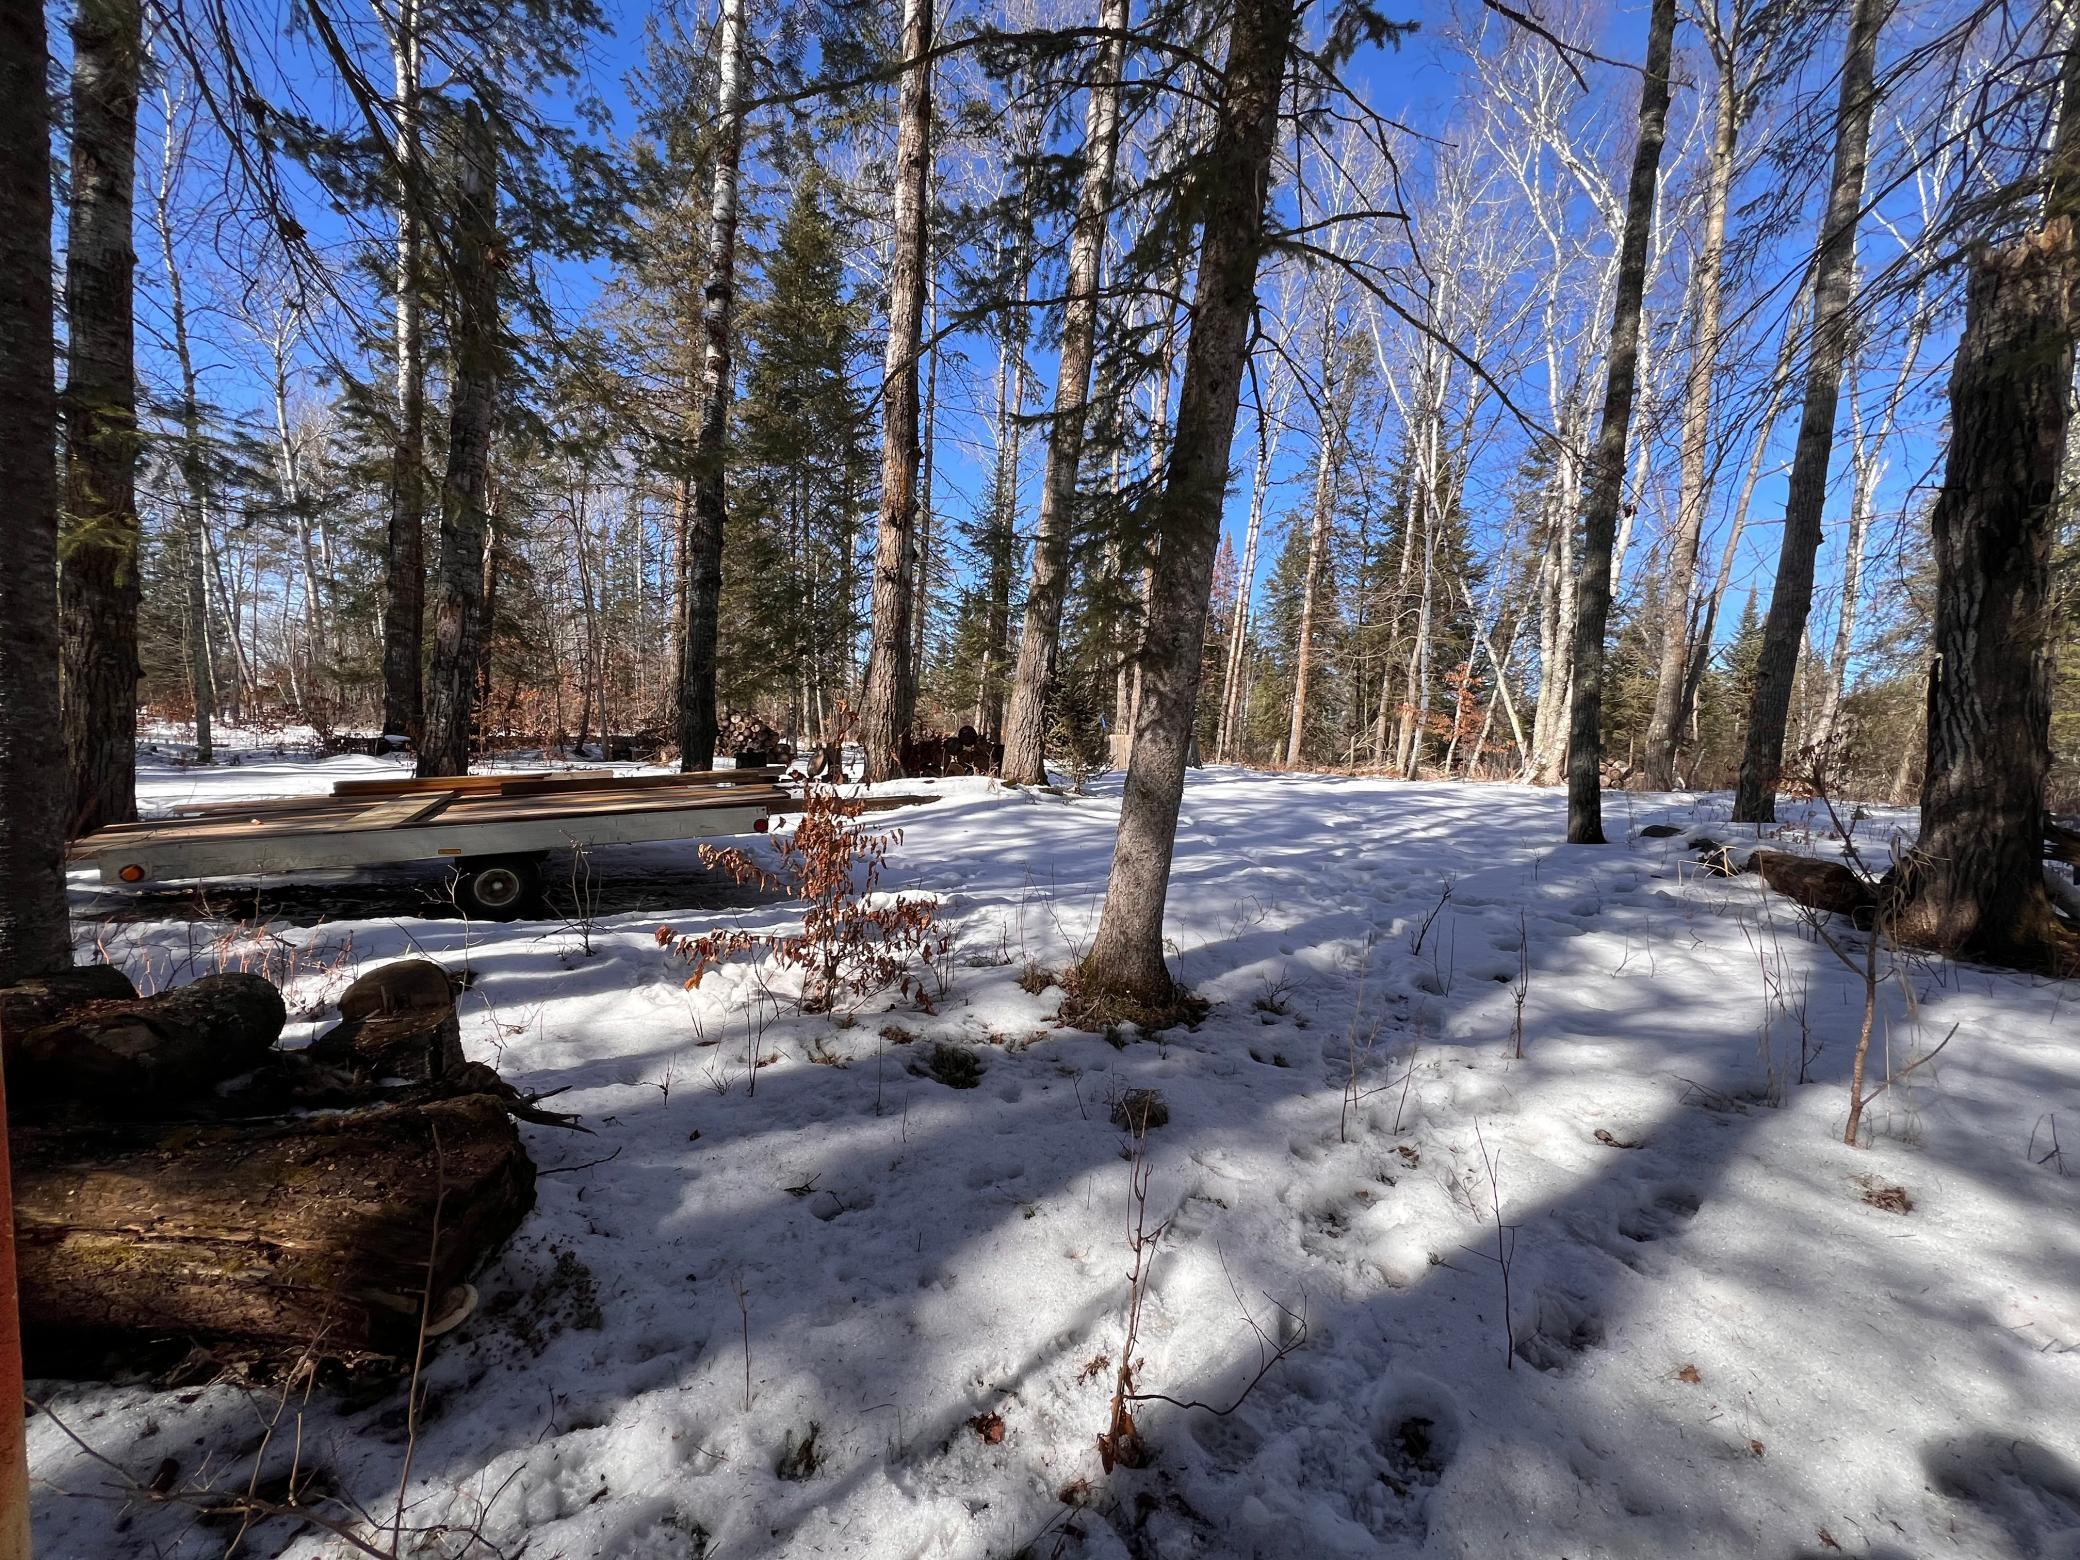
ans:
x=495 y=827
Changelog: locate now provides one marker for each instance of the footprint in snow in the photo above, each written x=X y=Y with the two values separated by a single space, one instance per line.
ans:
x=1563 y=1327
x=1670 y=1210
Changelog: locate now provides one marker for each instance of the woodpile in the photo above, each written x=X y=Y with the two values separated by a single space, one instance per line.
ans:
x=182 y=1185
x=751 y=743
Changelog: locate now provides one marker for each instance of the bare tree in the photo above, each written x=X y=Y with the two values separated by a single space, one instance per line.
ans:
x=1607 y=464
x=1834 y=280
x=404 y=550
x=1124 y=967
x=458 y=602
x=891 y=691
x=193 y=457
x=34 y=937
x=99 y=583
x=1025 y=726
x=1334 y=408
x=710 y=496
x=1727 y=41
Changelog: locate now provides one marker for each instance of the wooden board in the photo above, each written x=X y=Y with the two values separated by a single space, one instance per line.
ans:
x=323 y=816
x=406 y=785
x=542 y=782
x=402 y=810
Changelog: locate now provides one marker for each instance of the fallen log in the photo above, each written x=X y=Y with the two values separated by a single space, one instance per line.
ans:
x=45 y=999
x=260 y=1239
x=1817 y=884
x=138 y=1056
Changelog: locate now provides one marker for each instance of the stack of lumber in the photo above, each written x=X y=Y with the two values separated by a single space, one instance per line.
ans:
x=181 y=1184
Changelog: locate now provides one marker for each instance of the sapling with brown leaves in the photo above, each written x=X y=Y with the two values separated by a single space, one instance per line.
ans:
x=853 y=941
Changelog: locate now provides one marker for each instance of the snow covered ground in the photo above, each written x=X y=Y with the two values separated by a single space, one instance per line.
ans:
x=1727 y=1333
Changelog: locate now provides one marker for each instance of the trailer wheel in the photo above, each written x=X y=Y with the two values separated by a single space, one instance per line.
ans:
x=499 y=888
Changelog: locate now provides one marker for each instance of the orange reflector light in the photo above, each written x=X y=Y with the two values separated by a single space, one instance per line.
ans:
x=132 y=874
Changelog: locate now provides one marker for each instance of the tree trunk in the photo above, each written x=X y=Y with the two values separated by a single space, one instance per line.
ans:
x=404 y=549
x=99 y=584
x=1325 y=480
x=458 y=626
x=697 y=710
x=890 y=696
x=1707 y=610
x=1864 y=470
x=1025 y=726
x=193 y=465
x=1694 y=475
x=34 y=934
x=1229 y=737
x=312 y=1233
x=1976 y=881
x=1834 y=280
x=1124 y=968
x=1607 y=466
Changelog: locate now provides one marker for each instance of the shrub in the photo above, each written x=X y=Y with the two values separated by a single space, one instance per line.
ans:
x=851 y=943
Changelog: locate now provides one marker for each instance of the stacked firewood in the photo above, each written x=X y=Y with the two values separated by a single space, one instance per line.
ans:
x=181 y=1184
x=751 y=743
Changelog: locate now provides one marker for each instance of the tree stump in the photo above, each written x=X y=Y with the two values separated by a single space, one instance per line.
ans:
x=395 y=1022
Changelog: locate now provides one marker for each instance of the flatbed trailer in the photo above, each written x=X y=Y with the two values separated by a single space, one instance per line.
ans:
x=495 y=828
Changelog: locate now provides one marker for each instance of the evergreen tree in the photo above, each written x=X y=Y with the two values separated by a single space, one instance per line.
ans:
x=792 y=599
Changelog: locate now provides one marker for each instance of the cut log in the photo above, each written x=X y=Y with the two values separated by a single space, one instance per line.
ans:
x=137 y=1056
x=31 y=1004
x=260 y=1240
x=396 y=1022
x=1819 y=885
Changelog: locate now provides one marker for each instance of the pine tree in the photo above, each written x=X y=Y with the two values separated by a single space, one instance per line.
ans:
x=803 y=463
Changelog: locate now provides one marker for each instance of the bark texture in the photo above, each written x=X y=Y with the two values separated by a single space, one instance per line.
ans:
x=890 y=696
x=99 y=580
x=34 y=937
x=1975 y=879
x=458 y=612
x=329 y=1233
x=710 y=495
x=1124 y=968
x=404 y=549
x=1834 y=282
x=1607 y=463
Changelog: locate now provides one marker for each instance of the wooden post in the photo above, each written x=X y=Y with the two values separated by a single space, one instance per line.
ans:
x=14 y=1445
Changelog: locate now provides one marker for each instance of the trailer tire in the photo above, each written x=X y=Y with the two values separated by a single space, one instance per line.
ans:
x=499 y=888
